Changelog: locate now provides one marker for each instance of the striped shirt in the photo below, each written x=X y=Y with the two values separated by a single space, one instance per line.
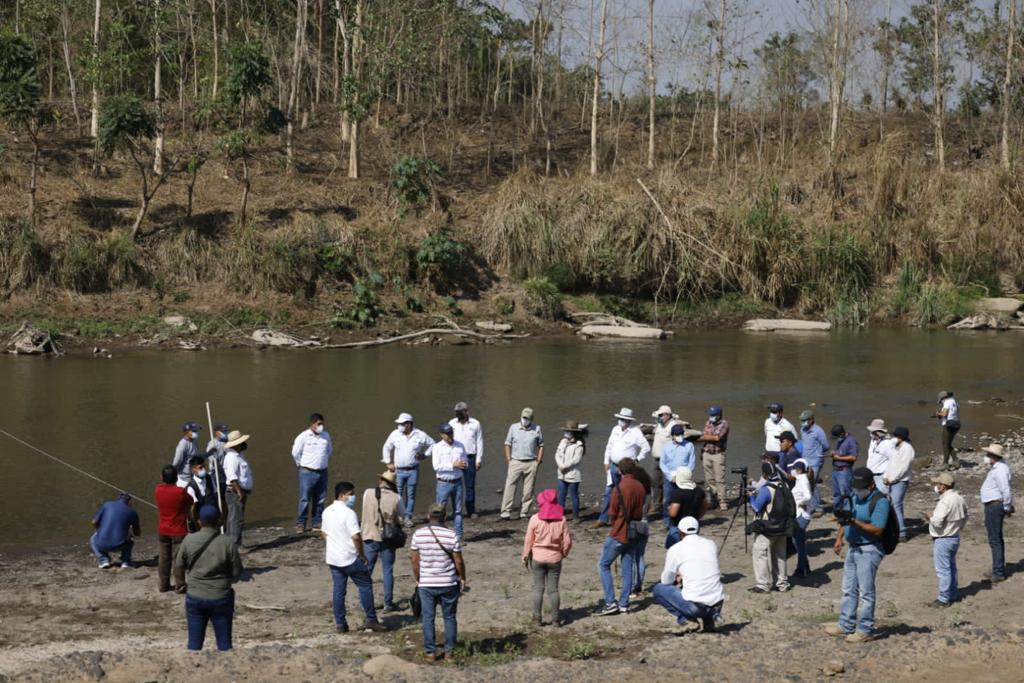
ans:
x=437 y=570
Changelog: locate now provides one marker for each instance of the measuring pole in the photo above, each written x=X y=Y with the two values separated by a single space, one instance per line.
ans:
x=216 y=470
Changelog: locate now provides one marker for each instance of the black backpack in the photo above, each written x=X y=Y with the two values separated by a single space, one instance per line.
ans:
x=392 y=535
x=781 y=517
x=891 y=533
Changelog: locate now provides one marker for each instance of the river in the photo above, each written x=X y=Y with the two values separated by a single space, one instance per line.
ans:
x=120 y=418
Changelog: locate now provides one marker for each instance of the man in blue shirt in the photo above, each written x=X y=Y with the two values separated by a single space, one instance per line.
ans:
x=814 y=441
x=787 y=450
x=116 y=524
x=843 y=459
x=679 y=452
x=862 y=519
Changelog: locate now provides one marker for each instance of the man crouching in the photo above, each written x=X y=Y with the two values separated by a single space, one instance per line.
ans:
x=691 y=583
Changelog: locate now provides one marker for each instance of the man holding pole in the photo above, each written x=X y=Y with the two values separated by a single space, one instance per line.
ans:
x=311 y=451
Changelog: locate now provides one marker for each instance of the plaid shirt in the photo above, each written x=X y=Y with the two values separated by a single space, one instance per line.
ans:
x=719 y=429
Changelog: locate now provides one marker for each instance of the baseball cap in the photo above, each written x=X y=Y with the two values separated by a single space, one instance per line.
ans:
x=678 y=430
x=209 y=514
x=806 y=415
x=838 y=430
x=715 y=410
x=862 y=478
x=191 y=427
x=445 y=428
x=220 y=427
x=436 y=509
x=527 y=413
x=461 y=405
x=775 y=407
x=688 y=525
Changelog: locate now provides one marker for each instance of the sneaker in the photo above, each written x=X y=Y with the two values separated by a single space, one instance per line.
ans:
x=757 y=589
x=939 y=604
x=127 y=565
x=598 y=524
x=375 y=626
x=407 y=523
x=505 y=516
x=835 y=630
x=708 y=625
x=474 y=516
x=316 y=528
x=104 y=565
x=537 y=621
x=784 y=589
x=859 y=637
x=433 y=656
x=341 y=628
x=392 y=608
x=903 y=538
x=300 y=529
x=608 y=610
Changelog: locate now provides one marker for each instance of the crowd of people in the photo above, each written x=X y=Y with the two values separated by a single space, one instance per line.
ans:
x=202 y=499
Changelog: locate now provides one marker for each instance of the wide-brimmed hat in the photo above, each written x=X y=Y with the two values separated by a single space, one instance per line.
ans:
x=994 y=449
x=403 y=417
x=688 y=525
x=236 y=438
x=389 y=477
x=683 y=478
x=877 y=425
x=946 y=479
x=664 y=410
x=944 y=395
x=574 y=426
x=625 y=414
x=548 y=508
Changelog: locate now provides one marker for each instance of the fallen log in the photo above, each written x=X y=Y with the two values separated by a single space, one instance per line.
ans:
x=980 y=322
x=459 y=332
x=622 y=332
x=31 y=341
x=785 y=325
x=492 y=326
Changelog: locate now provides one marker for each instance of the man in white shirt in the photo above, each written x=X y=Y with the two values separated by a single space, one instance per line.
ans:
x=470 y=434
x=997 y=498
x=949 y=420
x=774 y=425
x=311 y=451
x=899 y=472
x=666 y=419
x=625 y=441
x=238 y=477
x=878 y=452
x=346 y=559
x=449 y=460
x=403 y=450
x=944 y=526
x=691 y=583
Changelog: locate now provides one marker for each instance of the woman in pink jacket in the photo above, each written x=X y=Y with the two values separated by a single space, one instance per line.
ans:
x=547 y=543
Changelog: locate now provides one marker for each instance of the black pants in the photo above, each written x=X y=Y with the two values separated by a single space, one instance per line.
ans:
x=949 y=454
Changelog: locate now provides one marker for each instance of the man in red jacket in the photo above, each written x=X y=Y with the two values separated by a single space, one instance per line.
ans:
x=172 y=503
x=626 y=505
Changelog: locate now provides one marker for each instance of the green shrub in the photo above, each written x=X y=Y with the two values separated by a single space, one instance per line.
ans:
x=337 y=261
x=543 y=298
x=440 y=259
x=505 y=305
x=82 y=265
x=23 y=257
x=413 y=179
x=942 y=303
x=365 y=308
x=562 y=275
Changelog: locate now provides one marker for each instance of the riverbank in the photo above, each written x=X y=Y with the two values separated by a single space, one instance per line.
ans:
x=64 y=620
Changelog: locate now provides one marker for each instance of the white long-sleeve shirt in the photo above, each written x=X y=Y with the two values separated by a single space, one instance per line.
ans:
x=568 y=457
x=626 y=443
x=695 y=559
x=949 y=517
x=901 y=457
x=878 y=454
x=312 y=450
x=772 y=430
x=471 y=435
x=406 y=450
x=997 y=485
x=805 y=499
x=444 y=456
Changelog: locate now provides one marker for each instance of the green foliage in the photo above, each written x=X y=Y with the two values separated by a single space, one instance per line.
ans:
x=20 y=90
x=440 y=259
x=543 y=298
x=773 y=258
x=365 y=308
x=356 y=98
x=124 y=124
x=247 y=73
x=81 y=265
x=581 y=649
x=787 y=70
x=941 y=303
x=842 y=276
x=24 y=259
x=337 y=261
x=505 y=305
x=413 y=178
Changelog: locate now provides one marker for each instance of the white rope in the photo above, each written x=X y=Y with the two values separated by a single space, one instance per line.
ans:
x=76 y=469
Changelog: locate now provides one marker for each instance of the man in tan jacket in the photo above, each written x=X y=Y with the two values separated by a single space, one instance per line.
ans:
x=382 y=505
x=944 y=525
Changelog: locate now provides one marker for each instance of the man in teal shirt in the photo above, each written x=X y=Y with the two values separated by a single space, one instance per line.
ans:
x=864 y=516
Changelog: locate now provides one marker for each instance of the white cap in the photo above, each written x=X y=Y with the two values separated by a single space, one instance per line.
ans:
x=404 y=417
x=689 y=525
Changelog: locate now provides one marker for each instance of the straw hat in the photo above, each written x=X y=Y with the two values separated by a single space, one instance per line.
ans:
x=946 y=479
x=389 y=477
x=236 y=438
x=664 y=410
x=994 y=449
x=574 y=426
x=877 y=425
x=625 y=414
x=683 y=478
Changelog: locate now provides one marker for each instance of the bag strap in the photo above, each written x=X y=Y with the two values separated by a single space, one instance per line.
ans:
x=380 y=513
x=449 y=553
x=199 y=553
x=622 y=502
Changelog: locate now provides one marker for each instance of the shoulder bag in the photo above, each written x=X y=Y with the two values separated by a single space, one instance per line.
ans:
x=392 y=535
x=635 y=528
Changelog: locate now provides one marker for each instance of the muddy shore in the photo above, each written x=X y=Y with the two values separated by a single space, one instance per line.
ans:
x=65 y=620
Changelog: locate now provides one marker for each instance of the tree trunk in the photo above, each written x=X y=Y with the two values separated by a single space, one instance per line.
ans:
x=938 y=84
x=837 y=76
x=719 y=65
x=33 y=168
x=598 y=58
x=346 y=65
x=651 y=83
x=1011 y=32
x=94 y=124
x=245 y=191
x=158 y=143
x=216 y=48
x=293 y=89
x=144 y=197
x=357 y=74
x=65 y=26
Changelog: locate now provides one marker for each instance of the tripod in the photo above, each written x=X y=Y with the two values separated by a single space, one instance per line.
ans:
x=741 y=502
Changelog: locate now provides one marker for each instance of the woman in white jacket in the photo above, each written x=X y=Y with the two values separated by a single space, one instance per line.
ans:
x=805 y=496
x=898 y=473
x=570 y=452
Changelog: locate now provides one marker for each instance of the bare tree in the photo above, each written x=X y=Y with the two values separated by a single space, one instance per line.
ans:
x=939 y=82
x=598 y=59
x=357 y=75
x=840 y=20
x=1011 y=33
x=65 y=30
x=719 y=66
x=298 y=52
x=158 y=141
x=652 y=83
x=94 y=124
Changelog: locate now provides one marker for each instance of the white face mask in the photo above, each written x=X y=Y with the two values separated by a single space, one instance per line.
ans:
x=937 y=491
x=678 y=438
x=567 y=435
x=319 y=429
x=715 y=418
x=805 y=423
x=525 y=421
x=200 y=473
x=776 y=417
x=989 y=461
x=623 y=424
x=663 y=418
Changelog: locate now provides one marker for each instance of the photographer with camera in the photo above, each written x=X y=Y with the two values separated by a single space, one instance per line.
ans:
x=775 y=514
x=862 y=518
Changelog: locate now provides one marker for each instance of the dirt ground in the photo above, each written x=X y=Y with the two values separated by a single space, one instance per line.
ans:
x=64 y=620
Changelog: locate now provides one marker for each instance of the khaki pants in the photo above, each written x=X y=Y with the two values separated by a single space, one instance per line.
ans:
x=525 y=470
x=168 y=547
x=770 y=562
x=714 y=476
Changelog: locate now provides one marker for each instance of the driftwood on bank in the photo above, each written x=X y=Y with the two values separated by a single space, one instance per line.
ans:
x=785 y=325
x=452 y=330
x=981 y=321
x=31 y=341
x=268 y=337
x=622 y=331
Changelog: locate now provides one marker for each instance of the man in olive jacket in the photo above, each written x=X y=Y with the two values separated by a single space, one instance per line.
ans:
x=211 y=565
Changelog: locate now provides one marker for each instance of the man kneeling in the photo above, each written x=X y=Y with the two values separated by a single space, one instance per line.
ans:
x=691 y=583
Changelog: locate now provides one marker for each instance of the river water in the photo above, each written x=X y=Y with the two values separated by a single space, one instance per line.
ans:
x=120 y=418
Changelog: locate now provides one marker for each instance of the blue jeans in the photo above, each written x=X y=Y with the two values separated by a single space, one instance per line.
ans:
x=859 y=585
x=448 y=598
x=373 y=550
x=312 y=491
x=452 y=490
x=666 y=492
x=800 y=541
x=842 y=483
x=102 y=554
x=199 y=612
x=570 y=489
x=606 y=499
x=671 y=598
x=897 y=491
x=360 y=576
x=406 y=480
x=640 y=564
x=611 y=551
x=994 y=526
x=469 y=484
x=672 y=537
x=944 y=553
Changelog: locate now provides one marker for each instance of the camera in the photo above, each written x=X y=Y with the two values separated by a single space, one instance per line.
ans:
x=844 y=517
x=740 y=470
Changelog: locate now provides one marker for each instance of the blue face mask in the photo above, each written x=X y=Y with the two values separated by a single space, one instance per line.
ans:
x=223 y=438
x=351 y=501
